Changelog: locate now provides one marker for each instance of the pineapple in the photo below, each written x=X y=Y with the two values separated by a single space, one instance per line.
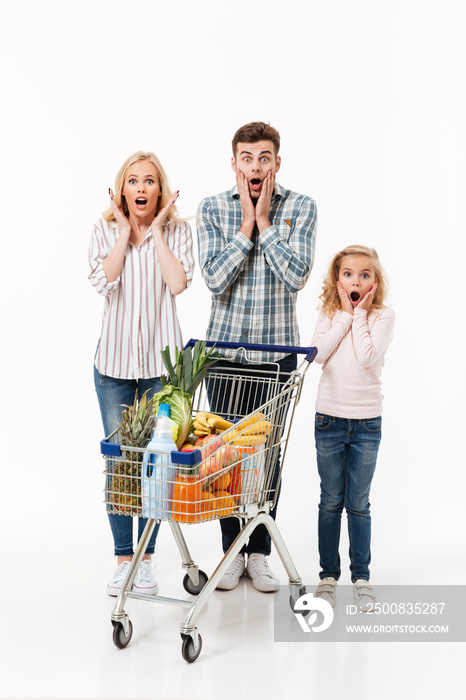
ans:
x=135 y=430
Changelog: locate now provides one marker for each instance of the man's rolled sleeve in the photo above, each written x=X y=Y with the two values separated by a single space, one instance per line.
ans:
x=220 y=261
x=98 y=251
x=292 y=260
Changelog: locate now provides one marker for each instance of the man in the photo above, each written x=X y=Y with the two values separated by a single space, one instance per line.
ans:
x=256 y=250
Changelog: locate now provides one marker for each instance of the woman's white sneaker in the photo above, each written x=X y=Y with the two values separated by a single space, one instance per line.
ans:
x=116 y=582
x=144 y=581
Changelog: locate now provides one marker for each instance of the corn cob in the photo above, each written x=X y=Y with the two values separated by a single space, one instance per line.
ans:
x=255 y=418
x=249 y=440
x=263 y=427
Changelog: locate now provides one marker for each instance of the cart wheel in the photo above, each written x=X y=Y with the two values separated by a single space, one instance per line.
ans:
x=293 y=601
x=120 y=639
x=187 y=649
x=191 y=588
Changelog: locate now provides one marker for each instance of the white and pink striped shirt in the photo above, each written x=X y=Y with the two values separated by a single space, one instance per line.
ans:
x=139 y=318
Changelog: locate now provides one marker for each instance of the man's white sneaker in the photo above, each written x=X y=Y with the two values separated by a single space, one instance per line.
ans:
x=115 y=583
x=263 y=578
x=144 y=581
x=363 y=595
x=327 y=590
x=231 y=577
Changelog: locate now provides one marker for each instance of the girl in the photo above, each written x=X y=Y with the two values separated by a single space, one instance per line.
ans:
x=140 y=258
x=353 y=331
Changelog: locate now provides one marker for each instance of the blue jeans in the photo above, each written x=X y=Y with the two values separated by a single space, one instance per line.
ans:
x=252 y=395
x=111 y=393
x=346 y=458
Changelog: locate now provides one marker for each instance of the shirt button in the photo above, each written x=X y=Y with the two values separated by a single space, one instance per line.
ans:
x=246 y=335
x=248 y=313
x=250 y=291
x=251 y=268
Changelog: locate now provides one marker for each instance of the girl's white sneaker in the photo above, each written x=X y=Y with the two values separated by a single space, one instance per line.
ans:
x=327 y=590
x=363 y=595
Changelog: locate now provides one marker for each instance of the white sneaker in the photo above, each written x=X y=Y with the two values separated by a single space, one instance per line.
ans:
x=144 y=581
x=327 y=590
x=263 y=578
x=231 y=577
x=115 y=583
x=363 y=595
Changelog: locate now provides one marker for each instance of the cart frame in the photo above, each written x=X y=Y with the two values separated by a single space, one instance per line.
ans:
x=254 y=512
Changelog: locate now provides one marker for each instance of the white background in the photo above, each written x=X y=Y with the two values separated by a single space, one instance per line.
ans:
x=369 y=101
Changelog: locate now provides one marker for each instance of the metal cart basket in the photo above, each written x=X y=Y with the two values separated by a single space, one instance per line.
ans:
x=235 y=472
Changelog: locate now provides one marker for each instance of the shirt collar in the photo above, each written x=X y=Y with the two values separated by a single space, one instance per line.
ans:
x=279 y=191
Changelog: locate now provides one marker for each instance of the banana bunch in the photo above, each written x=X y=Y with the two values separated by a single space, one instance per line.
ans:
x=251 y=432
x=206 y=423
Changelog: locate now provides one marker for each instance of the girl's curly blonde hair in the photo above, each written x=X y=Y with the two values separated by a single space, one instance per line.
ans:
x=330 y=297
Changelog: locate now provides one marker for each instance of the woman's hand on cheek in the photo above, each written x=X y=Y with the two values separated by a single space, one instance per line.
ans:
x=346 y=304
x=122 y=221
x=366 y=301
x=159 y=220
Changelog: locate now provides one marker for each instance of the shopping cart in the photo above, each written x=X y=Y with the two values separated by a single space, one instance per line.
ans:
x=234 y=473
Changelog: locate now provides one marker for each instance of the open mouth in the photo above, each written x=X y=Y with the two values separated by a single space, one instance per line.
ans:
x=141 y=201
x=355 y=296
x=255 y=184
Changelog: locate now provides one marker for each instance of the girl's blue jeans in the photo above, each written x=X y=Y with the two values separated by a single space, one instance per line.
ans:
x=346 y=458
x=111 y=393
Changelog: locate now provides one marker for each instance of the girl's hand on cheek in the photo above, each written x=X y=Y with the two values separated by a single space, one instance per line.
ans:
x=366 y=301
x=346 y=304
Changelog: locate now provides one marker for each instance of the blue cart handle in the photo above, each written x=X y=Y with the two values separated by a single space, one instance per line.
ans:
x=190 y=459
x=310 y=352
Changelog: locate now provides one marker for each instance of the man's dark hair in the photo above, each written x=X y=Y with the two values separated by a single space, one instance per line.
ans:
x=256 y=131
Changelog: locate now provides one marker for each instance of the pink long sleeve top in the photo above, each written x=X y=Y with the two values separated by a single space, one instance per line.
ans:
x=351 y=349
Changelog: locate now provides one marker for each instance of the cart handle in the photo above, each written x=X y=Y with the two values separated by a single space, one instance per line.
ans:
x=191 y=458
x=310 y=352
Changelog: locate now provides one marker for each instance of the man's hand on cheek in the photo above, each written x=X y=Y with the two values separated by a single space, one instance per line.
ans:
x=264 y=201
x=249 y=214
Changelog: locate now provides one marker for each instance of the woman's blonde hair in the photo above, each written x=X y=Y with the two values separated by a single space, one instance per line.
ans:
x=330 y=297
x=119 y=198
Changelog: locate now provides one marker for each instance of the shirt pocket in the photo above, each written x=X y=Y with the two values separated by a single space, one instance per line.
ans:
x=284 y=226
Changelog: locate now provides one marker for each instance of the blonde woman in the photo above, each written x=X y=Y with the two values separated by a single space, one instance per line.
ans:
x=353 y=332
x=140 y=259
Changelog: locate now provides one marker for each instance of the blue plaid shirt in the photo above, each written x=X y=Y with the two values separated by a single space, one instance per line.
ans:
x=255 y=282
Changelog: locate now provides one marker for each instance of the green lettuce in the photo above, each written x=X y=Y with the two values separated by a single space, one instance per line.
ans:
x=180 y=403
